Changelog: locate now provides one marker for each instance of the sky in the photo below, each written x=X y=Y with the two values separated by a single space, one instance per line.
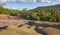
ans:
x=30 y=5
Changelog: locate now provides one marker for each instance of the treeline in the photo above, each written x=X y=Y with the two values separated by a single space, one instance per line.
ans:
x=8 y=11
x=41 y=14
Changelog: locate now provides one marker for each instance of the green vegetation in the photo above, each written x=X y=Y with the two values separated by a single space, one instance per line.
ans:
x=41 y=14
x=9 y=11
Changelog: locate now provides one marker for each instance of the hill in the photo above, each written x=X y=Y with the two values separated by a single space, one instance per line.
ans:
x=51 y=6
x=10 y=20
x=14 y=26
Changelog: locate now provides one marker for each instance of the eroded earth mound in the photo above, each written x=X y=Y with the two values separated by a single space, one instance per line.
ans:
x=12 y=25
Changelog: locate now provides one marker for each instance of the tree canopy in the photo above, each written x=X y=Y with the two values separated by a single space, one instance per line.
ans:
x=41 y=14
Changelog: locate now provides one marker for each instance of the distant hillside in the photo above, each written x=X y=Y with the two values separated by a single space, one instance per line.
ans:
x=52 y=6
x=55 y=6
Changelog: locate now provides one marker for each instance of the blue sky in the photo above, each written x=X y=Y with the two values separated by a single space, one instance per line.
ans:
x=16 y=5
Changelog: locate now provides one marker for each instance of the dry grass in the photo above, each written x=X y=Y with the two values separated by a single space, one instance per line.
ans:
x=52 y=31
x=13 y=30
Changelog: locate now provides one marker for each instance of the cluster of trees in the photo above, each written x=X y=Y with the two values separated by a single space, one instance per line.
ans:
x=9 y=11
x=42 y=14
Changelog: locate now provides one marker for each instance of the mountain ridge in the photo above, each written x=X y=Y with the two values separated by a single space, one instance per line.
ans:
x=51 y=6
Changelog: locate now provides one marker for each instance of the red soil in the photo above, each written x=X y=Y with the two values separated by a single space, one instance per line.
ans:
x=10 y=20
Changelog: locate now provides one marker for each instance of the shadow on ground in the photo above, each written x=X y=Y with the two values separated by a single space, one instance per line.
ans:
x=4 y=27
x=43 y=25
x=38 y=27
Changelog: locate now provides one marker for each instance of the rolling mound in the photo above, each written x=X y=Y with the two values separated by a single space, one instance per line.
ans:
x=6 y=20
x=52 y=31
x=13 y=30
x=8 y=17
x=13 y=25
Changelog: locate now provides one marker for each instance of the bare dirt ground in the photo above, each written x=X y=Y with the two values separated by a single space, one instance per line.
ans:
x=42 y=27
x=10 y=20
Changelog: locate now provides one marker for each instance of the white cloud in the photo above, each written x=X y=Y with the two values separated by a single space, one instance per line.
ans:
x=15 y=8
x=29 y=0
x=26 y=0
x=46 y=1
x=3 y=0
x=7 y=0
x=35 y=1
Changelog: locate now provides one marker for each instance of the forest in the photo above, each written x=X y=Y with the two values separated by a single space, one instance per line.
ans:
x=40 y=14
